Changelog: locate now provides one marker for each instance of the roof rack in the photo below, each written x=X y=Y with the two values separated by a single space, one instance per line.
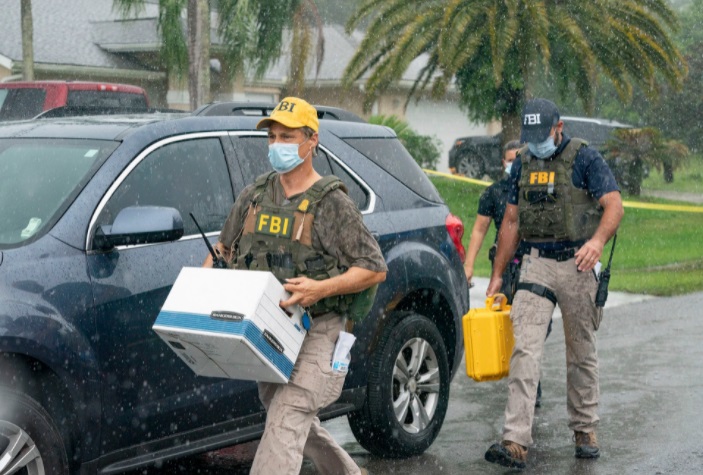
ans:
x=264 y=109
x=76 y=111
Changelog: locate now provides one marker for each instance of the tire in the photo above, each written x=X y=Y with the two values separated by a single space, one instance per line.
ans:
x=471 y=166
x=421 y=408
x=29 y=440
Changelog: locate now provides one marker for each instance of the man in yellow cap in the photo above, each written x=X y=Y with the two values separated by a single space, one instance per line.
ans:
x=327 y=259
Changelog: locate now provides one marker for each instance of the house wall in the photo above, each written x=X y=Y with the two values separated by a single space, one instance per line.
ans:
x=441 y=118
x=445 y=120
x=4 y=73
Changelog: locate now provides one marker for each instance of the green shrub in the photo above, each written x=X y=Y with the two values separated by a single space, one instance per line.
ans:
x=425 y=149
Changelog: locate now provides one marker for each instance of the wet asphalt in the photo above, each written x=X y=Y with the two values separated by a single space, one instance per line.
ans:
x=651 y=411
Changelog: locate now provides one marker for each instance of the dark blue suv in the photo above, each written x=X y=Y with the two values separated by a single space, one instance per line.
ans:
x=94 y=229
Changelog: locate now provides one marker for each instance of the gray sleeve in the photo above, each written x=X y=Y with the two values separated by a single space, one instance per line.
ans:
x=340 y=231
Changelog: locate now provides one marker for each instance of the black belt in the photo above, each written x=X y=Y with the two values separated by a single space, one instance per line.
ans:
x=559 y=256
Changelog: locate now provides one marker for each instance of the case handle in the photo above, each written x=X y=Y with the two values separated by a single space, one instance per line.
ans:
x=492 y=305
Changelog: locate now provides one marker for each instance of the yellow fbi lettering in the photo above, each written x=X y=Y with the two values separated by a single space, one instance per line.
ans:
x=542 y=178
x=274 y=225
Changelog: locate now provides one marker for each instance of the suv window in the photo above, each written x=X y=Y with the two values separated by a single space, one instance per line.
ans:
x=190 y=176
x=358 y=194
x=390 y=155
x=254 y=150
x=18 y=104
x=107 y=99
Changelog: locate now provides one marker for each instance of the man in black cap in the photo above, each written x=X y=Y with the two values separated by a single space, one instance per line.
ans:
x=569 y=206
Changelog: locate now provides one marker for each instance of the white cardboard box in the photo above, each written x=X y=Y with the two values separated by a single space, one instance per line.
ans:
x=228 y=324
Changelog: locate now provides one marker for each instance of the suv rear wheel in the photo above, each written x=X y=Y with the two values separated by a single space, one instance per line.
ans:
x=408 y=390
x=29 y=441
x=471 y=165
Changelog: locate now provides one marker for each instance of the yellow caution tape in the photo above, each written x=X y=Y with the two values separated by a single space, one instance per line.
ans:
x=684 y=208
x=459 y=177
x=627 y=204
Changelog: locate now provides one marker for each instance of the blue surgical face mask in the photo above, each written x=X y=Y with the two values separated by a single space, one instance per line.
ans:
x=543 y=150
x=508 y=167
x=284 y=156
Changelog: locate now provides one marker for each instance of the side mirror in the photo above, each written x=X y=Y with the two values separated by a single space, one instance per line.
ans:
x=140 y=225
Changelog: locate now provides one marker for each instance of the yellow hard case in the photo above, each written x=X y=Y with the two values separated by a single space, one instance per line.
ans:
x=488 y=339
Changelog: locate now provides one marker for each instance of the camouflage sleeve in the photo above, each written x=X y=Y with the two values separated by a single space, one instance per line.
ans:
x=340 y=231
x=235 y=221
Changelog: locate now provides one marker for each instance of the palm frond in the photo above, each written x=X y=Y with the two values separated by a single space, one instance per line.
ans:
x=174 y=50
x=128 y=8
x=494 y=48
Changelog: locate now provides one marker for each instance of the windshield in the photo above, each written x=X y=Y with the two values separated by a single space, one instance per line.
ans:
x=21 y=103
x=39 y=178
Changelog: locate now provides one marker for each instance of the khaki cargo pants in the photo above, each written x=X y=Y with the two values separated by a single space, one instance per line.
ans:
x=531 y=315
x=292 y=426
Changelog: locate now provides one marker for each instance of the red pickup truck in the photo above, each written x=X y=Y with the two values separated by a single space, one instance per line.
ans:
x=24 y=100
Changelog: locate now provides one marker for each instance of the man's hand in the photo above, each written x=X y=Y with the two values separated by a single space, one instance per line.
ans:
x=494 y=286
x=469 y=271
x=588 y=255
x=304 y=291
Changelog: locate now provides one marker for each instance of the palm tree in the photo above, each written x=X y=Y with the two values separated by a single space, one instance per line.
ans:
x=251 y=34
x=497 y=49
x=27 y=40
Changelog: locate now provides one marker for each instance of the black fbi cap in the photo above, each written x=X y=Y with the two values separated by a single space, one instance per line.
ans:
x=538 y=118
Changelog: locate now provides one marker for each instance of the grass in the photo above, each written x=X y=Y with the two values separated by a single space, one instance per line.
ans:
x=657 y=253
x=688 y=179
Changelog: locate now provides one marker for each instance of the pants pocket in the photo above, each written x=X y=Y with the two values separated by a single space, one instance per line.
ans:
x=333 y=388
x=306 y=387
x=597 y=318
x=333 y=381
x=598 y=311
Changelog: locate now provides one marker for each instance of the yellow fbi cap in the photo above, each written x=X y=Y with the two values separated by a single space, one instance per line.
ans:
x=294 y=113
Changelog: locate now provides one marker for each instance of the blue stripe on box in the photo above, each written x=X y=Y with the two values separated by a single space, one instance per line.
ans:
x=246 y=328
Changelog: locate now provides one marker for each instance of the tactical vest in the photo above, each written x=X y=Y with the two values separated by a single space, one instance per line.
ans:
x=278 y=238
x=550 y=207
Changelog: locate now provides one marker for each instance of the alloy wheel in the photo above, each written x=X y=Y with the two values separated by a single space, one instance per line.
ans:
x=416 y=384
x=18 y=452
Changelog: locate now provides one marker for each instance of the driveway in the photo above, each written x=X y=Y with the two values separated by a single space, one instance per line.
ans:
x=651 y=400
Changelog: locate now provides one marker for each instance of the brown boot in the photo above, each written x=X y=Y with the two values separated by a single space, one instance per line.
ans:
x=508 y=454
x=586 y=445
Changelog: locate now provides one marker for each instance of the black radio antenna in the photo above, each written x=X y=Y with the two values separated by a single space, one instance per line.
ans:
x=217 y=261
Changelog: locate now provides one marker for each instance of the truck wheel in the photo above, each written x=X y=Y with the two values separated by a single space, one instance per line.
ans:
x=471 y=166
x=408 y=390
x=29 y=441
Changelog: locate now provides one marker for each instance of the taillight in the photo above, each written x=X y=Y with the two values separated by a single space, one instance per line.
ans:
x=455 y=228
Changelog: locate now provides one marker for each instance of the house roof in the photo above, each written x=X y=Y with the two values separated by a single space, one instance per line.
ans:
x=339 y=50
x=64 y=32
x=90 y=33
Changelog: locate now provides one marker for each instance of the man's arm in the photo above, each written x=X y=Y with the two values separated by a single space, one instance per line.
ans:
x=508 y=240
x=305 y=291
x=590 y=253
x=478 y=233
